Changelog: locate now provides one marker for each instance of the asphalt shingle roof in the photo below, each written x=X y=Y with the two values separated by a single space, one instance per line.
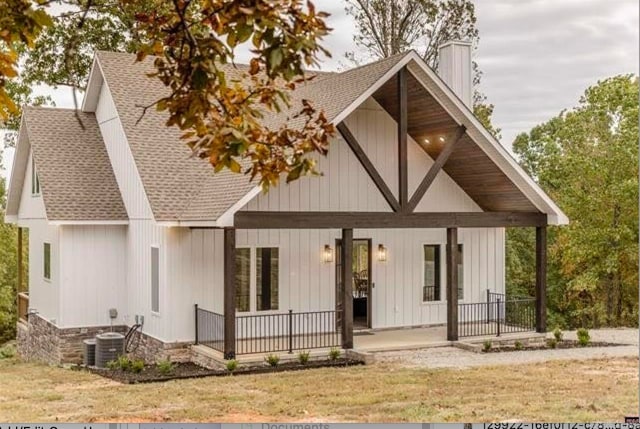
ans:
x=76 y=178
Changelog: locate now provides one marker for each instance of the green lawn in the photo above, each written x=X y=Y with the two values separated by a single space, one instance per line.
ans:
x=590 y=390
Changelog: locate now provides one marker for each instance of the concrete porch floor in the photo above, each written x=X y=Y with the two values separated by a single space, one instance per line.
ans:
x=370 y=341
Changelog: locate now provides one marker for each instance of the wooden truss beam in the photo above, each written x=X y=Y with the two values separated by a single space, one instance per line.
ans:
x=440 y=161
x=368 y=166
x=340 y=220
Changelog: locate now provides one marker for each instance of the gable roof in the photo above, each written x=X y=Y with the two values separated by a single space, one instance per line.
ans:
x=183 y=190
x=75 y=174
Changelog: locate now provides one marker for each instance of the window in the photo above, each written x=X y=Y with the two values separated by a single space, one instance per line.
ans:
x=47 y=261
x=460 y=273
x=267 y=278
x=431 y=285
x=155 y=279
x=35 y=182
x=257 y=277
x=243 y=279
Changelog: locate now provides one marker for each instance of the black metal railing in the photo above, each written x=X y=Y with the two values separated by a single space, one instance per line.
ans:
x=272 y=332
x=498 y=315
x=209 y=329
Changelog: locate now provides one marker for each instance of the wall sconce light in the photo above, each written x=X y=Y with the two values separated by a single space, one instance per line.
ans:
x=382 y=253
x=327 y=254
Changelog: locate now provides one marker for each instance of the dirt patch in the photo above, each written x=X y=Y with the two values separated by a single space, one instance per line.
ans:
x=564 y=344
x=188 y=370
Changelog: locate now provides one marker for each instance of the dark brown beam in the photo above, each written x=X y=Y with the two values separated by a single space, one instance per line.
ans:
x=440 y=161
x=339 y=220
x=229 y=293
x=347 y=286
x=403 y=173
x=20 y=268
x=452 y=284
x=368 y=166
x=541 y=279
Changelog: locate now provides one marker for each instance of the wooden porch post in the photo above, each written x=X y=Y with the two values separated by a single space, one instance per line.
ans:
x=347 y=280
x=229 y=295
x=541 y=279
x=19 y=285
x=452 y=284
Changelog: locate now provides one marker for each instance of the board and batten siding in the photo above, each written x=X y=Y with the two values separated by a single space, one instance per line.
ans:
x=143 y=232
x=93 y=275
x=345 y=185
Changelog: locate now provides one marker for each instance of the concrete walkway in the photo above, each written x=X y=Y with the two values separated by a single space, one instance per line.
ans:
x=451 y=357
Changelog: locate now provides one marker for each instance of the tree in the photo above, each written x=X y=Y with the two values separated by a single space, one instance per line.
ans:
x=222 y=119
x=388 y=27
x=586 y=158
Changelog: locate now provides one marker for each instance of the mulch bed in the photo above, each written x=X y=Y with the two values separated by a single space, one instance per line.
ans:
x=190 y=370
x=564 y=344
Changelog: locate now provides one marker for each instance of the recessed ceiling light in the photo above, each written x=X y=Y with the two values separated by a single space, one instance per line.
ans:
x=427 y=141
x=442 y=139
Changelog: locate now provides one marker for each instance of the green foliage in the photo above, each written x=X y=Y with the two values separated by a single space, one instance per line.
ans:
x=552 y=343
x=8 y=351
x=165 y=366
x=583 y=336
x=586 y=159
x=124 y=363
x=487 y=345
x=136 y=366
x=557 y=333
x=272 y=359
x=518 y=345
x=232 y=365
x=303 y=357
x=334 y=353
x=113 y=365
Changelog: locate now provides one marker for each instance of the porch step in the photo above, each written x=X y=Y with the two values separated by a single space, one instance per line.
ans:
x=475 y=344
x=213 y=359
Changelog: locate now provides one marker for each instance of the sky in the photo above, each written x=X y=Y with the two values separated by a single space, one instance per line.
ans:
x=537 y=56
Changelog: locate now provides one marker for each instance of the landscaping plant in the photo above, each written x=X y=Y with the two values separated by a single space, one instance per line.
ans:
x=583 y=336
x=557 y=333
x=518 y=345
x=303 y=357
x=334 y=353
x=486 y=346
x=136 y=366
x=165 y=366
x=272 y=359
x=123 y=362
x=232 y=365
x=552 y=343
x=7 y=351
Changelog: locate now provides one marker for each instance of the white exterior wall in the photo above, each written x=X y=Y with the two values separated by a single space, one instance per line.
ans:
x=93 y=276
x=142 y=231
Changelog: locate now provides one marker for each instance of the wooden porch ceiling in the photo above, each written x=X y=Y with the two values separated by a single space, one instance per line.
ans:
x=468 y=165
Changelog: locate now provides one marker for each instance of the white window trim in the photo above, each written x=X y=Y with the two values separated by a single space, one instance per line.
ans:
x=253 y=281
x=443 y=278
x=44 y=277
x=160 y=264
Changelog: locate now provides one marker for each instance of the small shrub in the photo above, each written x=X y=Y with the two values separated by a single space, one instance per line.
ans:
x=303 y=357
x=518 y=345
x=583 y=336
x=557 y=333
x=113 y=365
x=123 y=362
x=165 y=366
x=8 y=351
x=552 y=343
x=486 y=346
x=272 y=359
x=232 y=365
x=136 y=366
x=334 y=353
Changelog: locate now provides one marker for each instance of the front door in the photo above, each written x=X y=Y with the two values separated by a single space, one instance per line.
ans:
x=362 y=284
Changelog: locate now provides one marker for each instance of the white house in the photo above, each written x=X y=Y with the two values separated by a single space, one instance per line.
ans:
x=126 y=229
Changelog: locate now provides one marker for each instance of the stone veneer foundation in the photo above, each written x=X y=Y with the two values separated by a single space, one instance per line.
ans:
x=40 y=340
